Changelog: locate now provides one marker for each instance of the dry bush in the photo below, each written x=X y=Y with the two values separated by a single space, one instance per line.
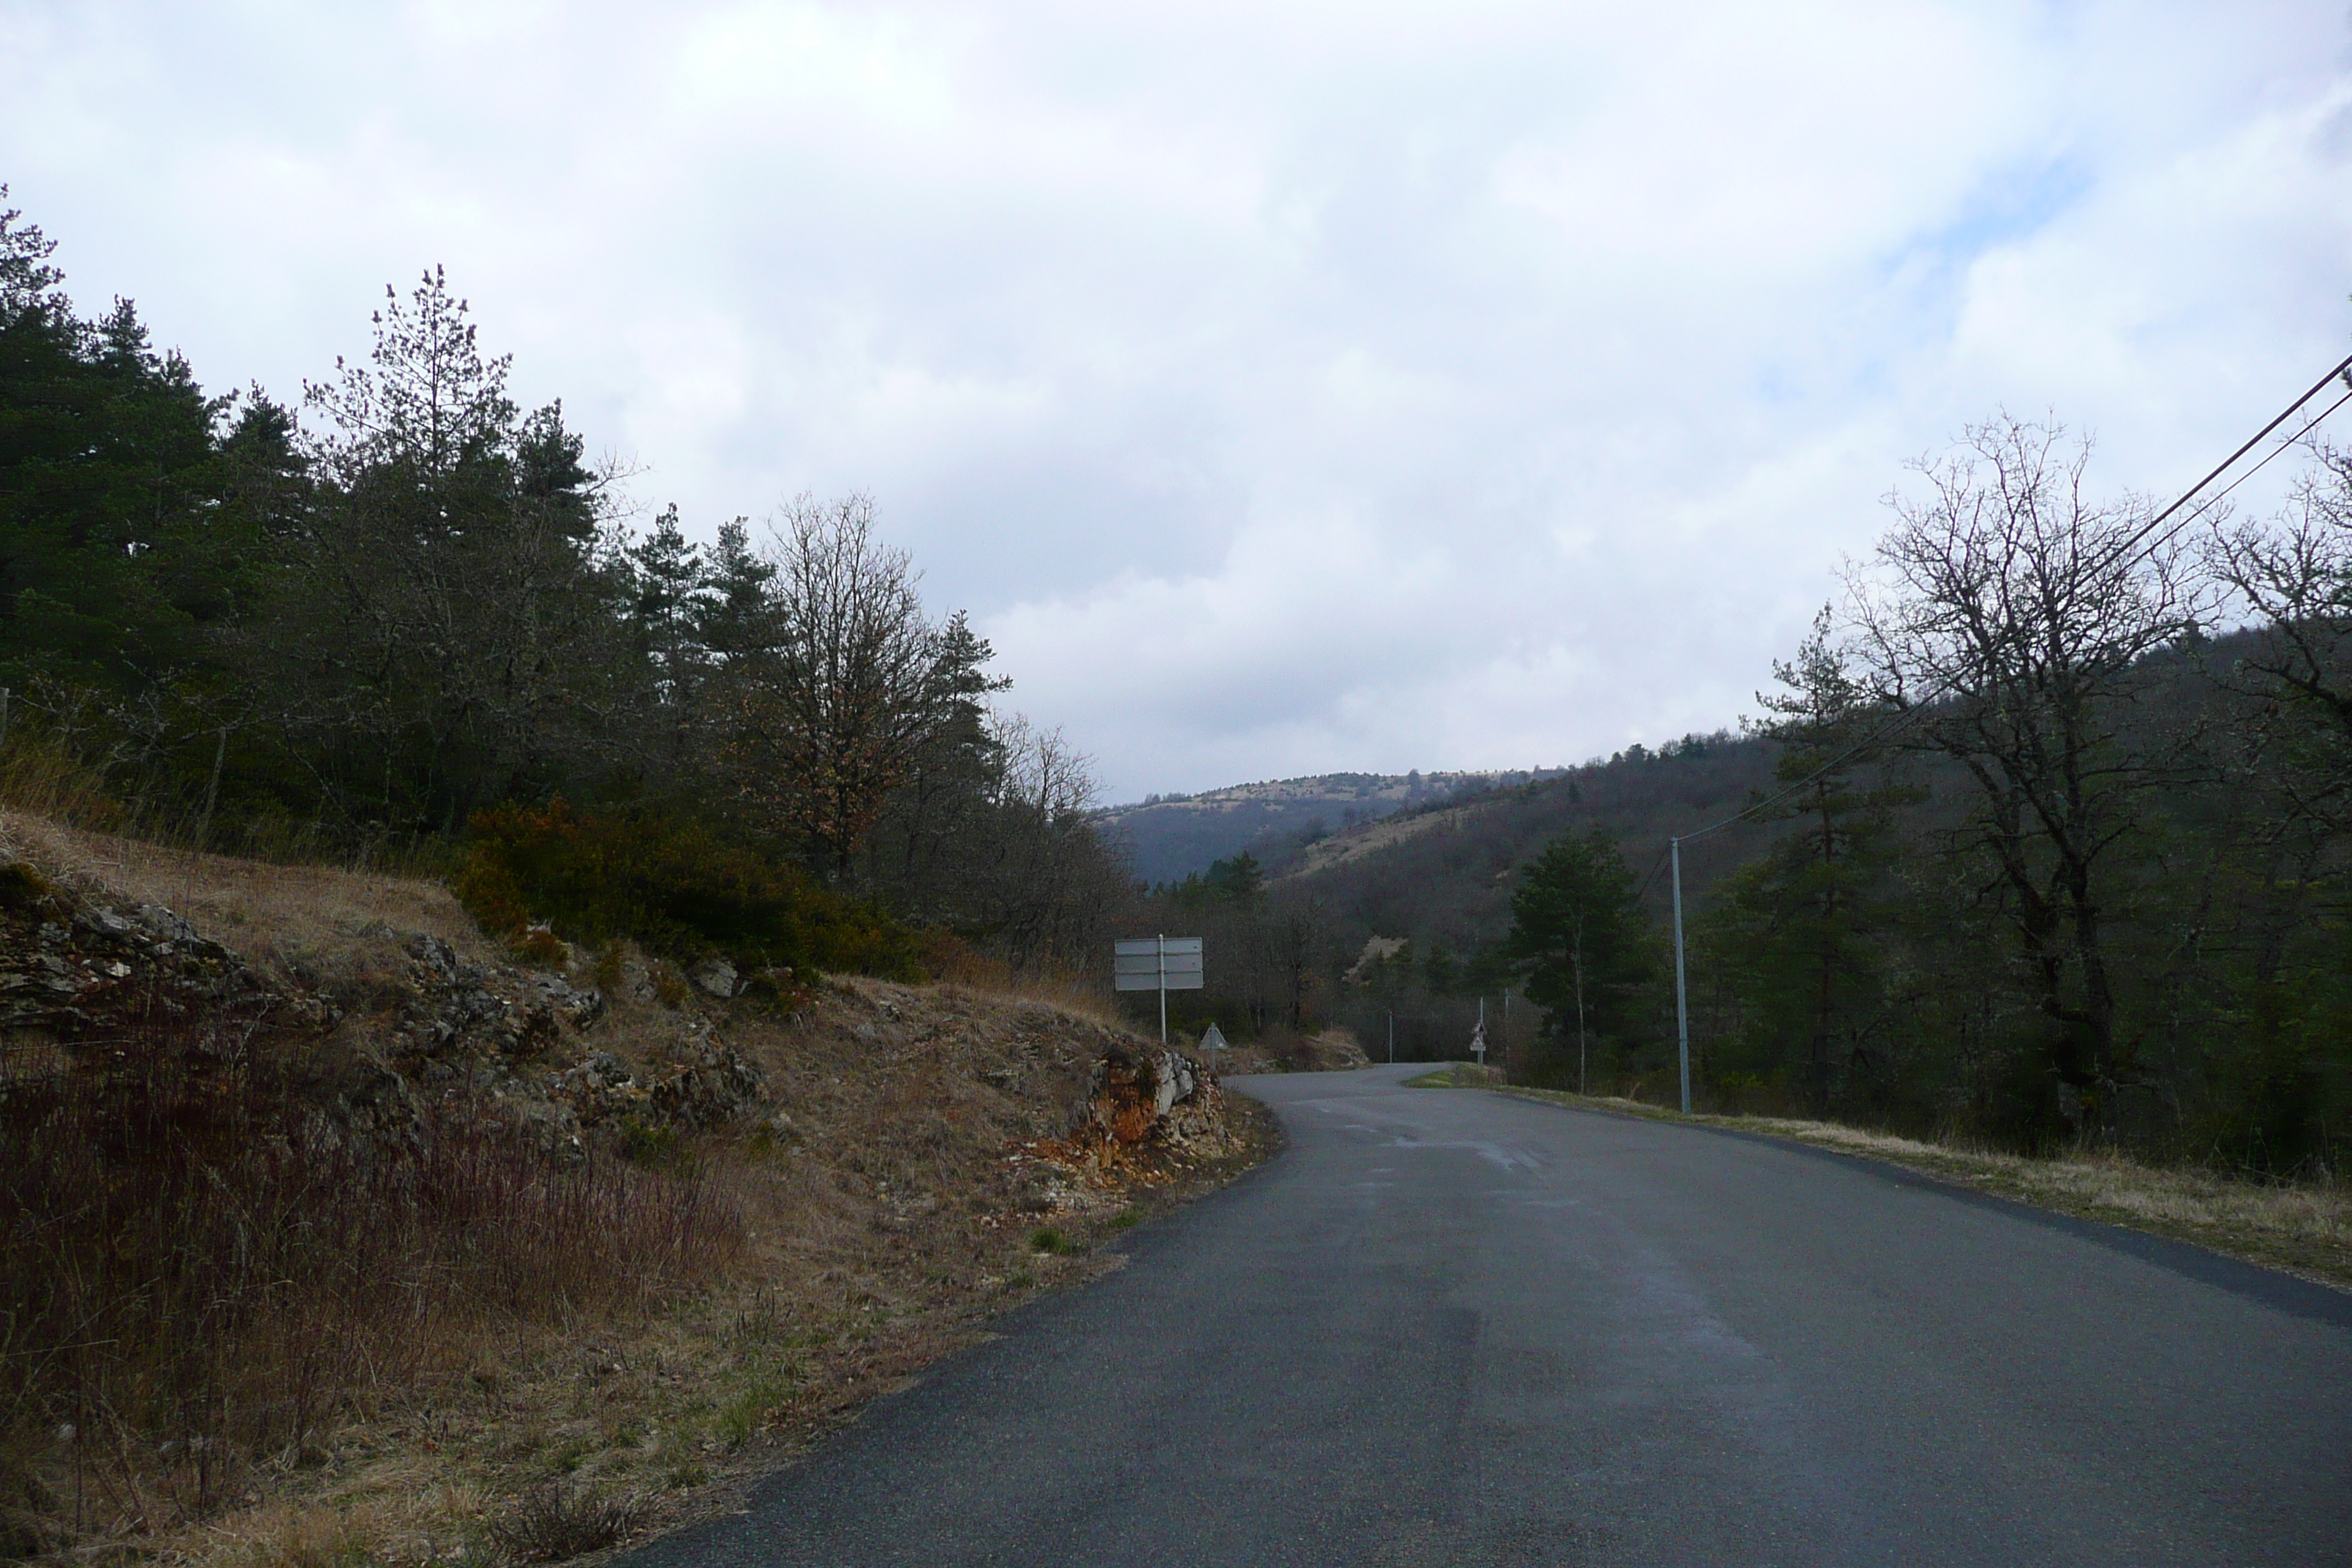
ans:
x=554 y=1521
x=195 y=1276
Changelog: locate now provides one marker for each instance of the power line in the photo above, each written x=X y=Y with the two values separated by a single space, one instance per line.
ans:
x=2213 y=501
x=2284 y=414
x=1912 y=714
x=1650 y=877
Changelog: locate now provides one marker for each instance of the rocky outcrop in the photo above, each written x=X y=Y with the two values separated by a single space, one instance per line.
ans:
x=492 y=1043
x=1136 y=1095
x=455 y=1009
x=75 y=970
x=715 y=1084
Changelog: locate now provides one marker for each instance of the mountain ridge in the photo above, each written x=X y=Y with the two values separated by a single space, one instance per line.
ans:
x=1168 y=837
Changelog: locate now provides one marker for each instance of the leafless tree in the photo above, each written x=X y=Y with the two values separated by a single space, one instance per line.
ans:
x=1048 y=883
x=2010 y=616
x=2294 y=574
x=833 y=709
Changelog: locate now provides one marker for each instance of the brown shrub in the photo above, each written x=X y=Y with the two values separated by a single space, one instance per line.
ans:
x=198 y=1271
x=554 y=1521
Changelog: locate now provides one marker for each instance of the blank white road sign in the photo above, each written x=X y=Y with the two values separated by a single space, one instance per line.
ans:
x=1158 y=963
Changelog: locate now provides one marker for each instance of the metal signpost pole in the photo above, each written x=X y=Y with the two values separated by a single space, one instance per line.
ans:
x=1681 y=1005
x=1163 y=941
x=1161 y=963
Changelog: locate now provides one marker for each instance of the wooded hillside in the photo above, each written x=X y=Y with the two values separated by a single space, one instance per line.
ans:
x=402 y=619
x=2030 y=853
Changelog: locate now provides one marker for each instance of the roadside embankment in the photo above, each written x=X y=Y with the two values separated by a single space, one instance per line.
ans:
x=2302 y=1228
x=1331 y=1049
x=330 y=1234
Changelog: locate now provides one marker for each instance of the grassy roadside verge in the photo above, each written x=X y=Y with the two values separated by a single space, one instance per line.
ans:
x=2303 y=1230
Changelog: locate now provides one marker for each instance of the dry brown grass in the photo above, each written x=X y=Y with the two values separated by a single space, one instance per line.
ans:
x=198 y=1288
x=885 y=1198
x=2304 y=1228
x=254 y=906
x=1333 y=1049
x=1079 y=995
x=890 y=1206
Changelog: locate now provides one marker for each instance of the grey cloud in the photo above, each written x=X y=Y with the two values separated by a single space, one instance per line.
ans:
x=1283 y=389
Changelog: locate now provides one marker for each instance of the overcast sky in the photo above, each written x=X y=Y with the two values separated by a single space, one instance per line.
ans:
x=1283 y=389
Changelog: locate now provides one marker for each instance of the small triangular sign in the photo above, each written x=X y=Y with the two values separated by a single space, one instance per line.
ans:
x=1212 y=1039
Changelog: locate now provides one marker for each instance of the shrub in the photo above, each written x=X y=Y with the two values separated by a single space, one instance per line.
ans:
x=554 y=1522
x=188 y=1259
x=670 y=883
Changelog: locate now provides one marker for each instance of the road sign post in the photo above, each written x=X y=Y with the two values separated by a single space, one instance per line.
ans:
x=1161 y=963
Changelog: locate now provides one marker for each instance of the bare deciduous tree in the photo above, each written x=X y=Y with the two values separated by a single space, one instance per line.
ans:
x=2294 y=574
x=2011 y=613
x=831 y=710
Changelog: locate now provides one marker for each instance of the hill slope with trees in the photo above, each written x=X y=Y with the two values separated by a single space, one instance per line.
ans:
x=2025 y=851
x=1165 y=837
x=402 y=609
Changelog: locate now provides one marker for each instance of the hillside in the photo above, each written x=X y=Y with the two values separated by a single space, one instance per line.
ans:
x=551 y=1252
x=1442 y=872
x=1165 y=837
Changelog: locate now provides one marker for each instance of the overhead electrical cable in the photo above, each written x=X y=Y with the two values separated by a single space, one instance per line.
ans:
x=1914 y=711
x=1911 y=713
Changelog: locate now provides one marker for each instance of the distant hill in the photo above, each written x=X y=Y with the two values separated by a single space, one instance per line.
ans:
x=1166 y=837
x=1441 y=871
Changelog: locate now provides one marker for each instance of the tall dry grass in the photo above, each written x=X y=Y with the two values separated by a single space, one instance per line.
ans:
x=199 y=1275
x=41 y=779
x=966 y=968
x=256 y=907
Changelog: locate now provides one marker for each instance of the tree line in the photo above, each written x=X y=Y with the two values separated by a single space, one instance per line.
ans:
x=401 y=608
x=2056 y=849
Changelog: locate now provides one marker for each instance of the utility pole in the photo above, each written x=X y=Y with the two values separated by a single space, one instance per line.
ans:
x=1392 y=1037
x=1162 y=940
x=1682 y=1003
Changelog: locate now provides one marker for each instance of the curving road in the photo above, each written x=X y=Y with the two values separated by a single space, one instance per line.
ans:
x=1451 y=1327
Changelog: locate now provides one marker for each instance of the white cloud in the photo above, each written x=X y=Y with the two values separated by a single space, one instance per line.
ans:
x=1282 y=388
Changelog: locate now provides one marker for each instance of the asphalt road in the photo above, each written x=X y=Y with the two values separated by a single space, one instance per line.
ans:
x=1450 y=1327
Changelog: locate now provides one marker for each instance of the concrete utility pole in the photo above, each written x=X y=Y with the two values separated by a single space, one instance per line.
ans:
x=1682 y=1005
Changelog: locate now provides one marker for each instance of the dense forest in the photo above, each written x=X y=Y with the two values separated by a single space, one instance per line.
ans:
x=402 y=619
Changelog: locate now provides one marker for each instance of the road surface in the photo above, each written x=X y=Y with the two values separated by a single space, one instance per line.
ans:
x=1447 y=1326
